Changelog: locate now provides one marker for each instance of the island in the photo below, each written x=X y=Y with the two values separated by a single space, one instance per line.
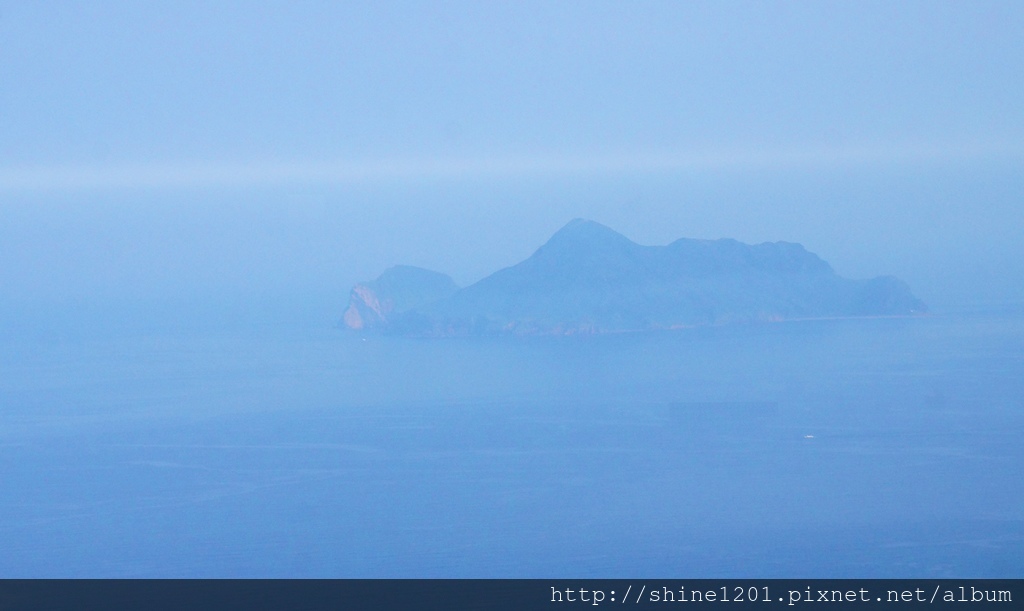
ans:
x=591 y=279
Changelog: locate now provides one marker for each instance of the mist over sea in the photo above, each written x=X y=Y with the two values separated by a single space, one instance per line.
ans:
x=886 y=447
x=194 y=194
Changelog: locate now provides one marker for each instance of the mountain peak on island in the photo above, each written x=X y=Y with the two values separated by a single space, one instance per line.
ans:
x=578 y=230
x=584 y=235
x=589 y=278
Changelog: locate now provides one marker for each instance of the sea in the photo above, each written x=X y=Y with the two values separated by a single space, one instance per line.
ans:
x=847 y=448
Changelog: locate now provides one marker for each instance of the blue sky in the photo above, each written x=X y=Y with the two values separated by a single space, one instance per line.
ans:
x=280 y=151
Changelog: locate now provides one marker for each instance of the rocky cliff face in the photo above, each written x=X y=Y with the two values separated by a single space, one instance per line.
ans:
x=589 y=279
x=380 y=303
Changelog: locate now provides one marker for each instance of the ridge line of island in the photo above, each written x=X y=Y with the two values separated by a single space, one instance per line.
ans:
x=589 y=279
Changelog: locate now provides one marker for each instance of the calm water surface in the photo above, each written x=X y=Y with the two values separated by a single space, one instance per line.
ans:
x=846 y=448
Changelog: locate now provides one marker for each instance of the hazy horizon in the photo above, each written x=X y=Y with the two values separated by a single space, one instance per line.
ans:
x=183 y=153
x=189 y=190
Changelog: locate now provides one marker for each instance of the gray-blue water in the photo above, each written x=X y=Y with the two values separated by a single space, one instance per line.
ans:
x=845 y=448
